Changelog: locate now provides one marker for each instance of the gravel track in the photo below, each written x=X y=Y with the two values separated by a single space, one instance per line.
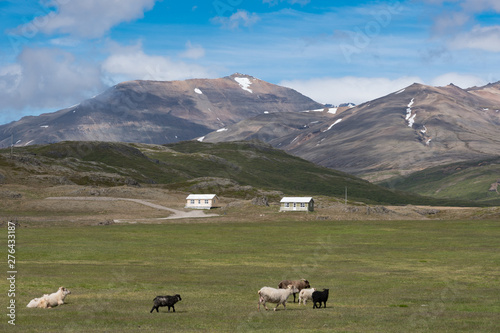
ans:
x=177 y=214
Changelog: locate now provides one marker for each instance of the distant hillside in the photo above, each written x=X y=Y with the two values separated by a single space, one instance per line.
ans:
x=409 y=130
x=240 y=169
x=478 y=181
x=158 y=112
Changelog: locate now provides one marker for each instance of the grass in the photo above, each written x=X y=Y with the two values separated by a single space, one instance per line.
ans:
x=384 y=276
x=465 y=181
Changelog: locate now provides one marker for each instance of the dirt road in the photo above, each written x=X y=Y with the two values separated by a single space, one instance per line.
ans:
x=177 y=214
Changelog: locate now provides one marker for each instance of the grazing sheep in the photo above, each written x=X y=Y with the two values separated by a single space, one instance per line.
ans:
x=49 y=301
x=320 y=297
x=165 y=301
x=298 y=284
x=272 y=295
x=306 y=294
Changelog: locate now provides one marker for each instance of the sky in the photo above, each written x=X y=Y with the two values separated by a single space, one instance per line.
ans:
x=56 y=53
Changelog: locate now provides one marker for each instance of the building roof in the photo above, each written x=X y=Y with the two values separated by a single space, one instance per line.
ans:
x=297 y=199
x=201 y=196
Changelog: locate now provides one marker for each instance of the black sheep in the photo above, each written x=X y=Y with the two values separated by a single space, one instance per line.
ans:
x=320 y=297
x=165 y=301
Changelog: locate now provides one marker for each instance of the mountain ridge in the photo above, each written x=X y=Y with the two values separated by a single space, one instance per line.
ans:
x=158 y=111
x=405 y=131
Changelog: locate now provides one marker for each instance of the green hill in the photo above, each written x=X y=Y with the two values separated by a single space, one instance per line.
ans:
x=470 y=180
x=239 y=169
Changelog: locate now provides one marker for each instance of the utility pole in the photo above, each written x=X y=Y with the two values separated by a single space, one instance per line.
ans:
x=346 y=195
x=11 y=144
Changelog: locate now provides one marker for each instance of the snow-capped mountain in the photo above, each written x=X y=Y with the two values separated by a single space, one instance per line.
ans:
x=411 y=129
x=158 y=111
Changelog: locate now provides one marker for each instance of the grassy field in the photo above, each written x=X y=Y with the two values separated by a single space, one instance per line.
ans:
x=383 y=276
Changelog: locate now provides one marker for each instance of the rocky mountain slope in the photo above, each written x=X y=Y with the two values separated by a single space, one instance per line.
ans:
x=406 y=131
x=158 y=111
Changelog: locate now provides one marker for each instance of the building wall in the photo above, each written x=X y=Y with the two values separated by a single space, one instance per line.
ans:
x=200 y=203
x=297 y=206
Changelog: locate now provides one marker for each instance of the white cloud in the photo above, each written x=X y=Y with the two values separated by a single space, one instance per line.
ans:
x=193 y=51
x=481 y=38
x=478 y=6
x=89 y=18
x=362 y=89
x=448 y=23
x=131 y=63
x=47 y=78
x=241 y=17
x=464 y=81
x=349 y=89
x=10 y=77
x=454 y=24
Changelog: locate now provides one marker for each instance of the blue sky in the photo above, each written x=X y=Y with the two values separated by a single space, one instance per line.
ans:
x=55 y=53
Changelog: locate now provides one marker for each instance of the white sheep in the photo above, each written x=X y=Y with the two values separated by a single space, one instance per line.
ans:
x=40 y=302
x=306 y=294
x=272 y=295
x=49 y=301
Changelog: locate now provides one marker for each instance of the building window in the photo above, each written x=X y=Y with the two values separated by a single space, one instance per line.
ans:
x=302 y=204
x=287 y=205
x=206 y=202
x=192 y=202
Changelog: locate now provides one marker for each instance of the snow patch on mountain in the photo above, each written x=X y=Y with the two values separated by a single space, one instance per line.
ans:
x=409 y=117
x=198 y=91
x=335 y=123
x=244 y=83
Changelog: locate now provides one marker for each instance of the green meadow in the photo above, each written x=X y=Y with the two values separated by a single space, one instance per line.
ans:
x=383 y=276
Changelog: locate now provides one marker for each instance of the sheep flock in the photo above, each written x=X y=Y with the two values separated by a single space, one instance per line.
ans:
x=277 y=296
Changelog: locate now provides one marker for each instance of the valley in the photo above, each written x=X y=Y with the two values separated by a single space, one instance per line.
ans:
x=391 y=141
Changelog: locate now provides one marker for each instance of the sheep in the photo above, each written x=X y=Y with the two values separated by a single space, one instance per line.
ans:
x=49 y=301
x=165 y=301
x=272 y=295
x=298 y=284
x=40 y=302
x=320 y=297
x=306 y=294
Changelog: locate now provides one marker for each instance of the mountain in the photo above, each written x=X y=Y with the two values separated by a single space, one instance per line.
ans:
x=158 y=111
x=409 y=130
x=235 y=169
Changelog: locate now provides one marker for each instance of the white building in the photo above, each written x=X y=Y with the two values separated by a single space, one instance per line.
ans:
x=201 y=201
x=304 y=204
